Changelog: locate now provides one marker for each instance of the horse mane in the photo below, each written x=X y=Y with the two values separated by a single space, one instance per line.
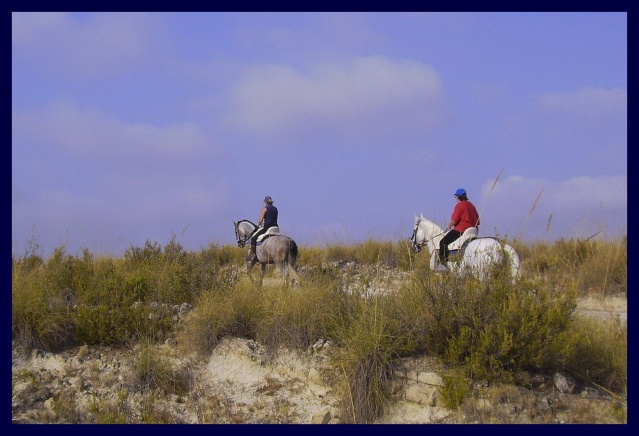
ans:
x=434 y=228
x=248 y=221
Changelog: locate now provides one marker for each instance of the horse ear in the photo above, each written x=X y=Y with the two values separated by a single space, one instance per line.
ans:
x=423 y=216
x=416 y=219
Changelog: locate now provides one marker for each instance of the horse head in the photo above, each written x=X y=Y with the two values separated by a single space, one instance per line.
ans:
x=425 y=231
x=244 y=229
x=416 y=246
x=238 y=238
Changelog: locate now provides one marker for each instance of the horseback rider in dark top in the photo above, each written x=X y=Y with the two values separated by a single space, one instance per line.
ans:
x=268 y=219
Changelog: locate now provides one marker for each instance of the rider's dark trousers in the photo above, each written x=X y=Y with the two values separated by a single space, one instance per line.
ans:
x=448 y=238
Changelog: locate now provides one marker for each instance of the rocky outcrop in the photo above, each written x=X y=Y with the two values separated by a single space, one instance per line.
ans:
x=241 y=383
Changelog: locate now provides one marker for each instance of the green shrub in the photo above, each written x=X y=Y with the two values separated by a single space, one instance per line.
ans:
x=455 y=389
x=39 y=317
x=495 y=328
x=110 y=310
x=212 y=269
x=166 y=271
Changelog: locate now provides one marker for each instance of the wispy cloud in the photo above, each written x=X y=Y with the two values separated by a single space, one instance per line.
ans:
x=352 y=98
x=88 y=46
x=89 y=133
x=565 y=203
x=593 y=104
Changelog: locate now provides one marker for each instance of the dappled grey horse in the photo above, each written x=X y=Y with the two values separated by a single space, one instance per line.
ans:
x=272 y=248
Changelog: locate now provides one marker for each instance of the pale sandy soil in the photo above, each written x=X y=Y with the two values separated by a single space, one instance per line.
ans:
x=604 y=308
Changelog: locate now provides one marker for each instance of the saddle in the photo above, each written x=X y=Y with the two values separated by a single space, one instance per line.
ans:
x=272 y=231
x=468 y=235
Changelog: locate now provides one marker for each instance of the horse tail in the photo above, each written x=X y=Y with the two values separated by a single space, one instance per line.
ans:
x=292 y=259
x=515 y=261
x=292 y=250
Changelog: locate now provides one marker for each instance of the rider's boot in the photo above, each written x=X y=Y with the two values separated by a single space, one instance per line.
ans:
x=441 y=267
x=251 y=256
x=442 y=264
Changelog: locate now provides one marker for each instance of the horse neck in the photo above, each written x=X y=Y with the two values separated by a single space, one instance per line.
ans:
x=246 y=228
x=431 y=233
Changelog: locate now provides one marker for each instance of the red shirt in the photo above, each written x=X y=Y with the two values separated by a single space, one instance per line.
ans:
x=464 y=215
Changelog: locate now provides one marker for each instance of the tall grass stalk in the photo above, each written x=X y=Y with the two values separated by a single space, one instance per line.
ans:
x=532 y=209
x=492 y=188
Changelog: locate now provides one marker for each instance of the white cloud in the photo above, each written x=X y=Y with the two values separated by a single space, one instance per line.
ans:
x=359 y=96
x=90 y=133
x=608 y=191
x=594 y=104
x=570 y=208
x=604 y=191
x=84 y=45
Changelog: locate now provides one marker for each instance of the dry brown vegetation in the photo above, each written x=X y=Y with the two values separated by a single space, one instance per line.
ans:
x=377 y=302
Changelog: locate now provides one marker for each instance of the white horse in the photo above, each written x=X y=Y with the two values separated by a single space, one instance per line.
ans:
x=477 y=254
x=272 y=248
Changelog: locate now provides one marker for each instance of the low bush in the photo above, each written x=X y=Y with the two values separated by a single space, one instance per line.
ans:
x=494 y=329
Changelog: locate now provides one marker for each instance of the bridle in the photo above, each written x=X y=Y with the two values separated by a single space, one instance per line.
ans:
x=413 y=239
x=242 y=242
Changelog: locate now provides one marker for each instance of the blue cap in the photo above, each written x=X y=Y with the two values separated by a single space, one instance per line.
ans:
x=268 y=198
x=460 y=192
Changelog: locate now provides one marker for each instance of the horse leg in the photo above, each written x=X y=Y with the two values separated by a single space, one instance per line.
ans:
x=515 y=261
x=289 y=274
x=284 y=271
x=296 y=276
x=434 y=260
x=249 y=267
x=263 y=272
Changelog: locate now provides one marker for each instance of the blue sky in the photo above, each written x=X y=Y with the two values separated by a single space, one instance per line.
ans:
x=135 y=127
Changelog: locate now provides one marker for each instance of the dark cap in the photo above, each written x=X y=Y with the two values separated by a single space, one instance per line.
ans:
x=268 y=199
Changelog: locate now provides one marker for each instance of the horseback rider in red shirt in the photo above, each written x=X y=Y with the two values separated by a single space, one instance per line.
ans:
x=464 y=215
